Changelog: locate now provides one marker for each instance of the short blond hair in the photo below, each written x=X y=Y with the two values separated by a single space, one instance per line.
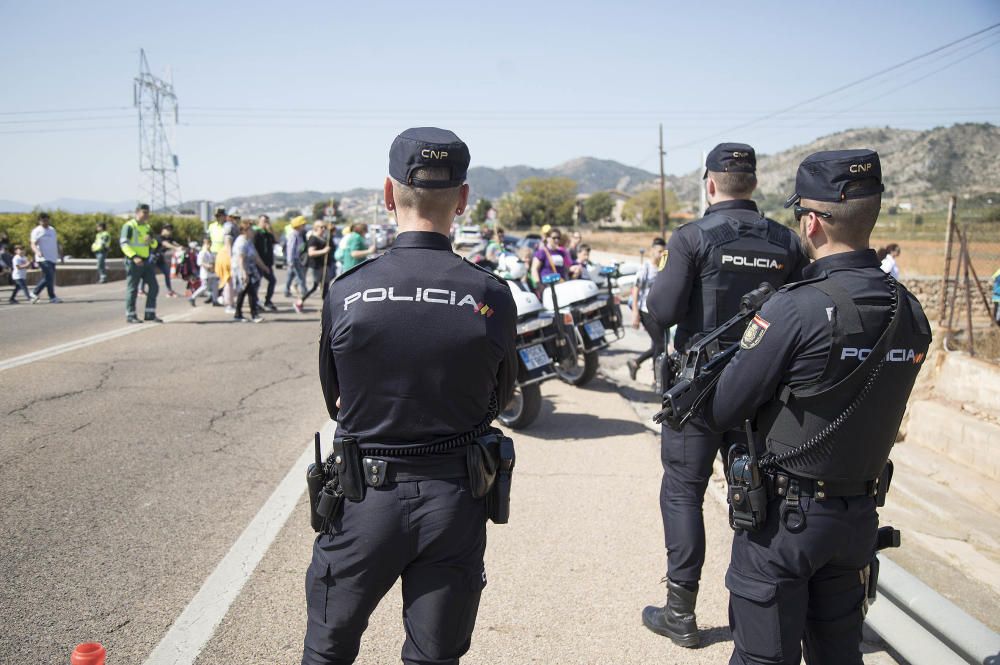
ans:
x=432 y=203
x=739 y=185
x=851 y=220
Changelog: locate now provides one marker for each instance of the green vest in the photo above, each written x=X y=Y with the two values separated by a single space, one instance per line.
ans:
x=102 y=242
x=218 y=235
x=136 y=239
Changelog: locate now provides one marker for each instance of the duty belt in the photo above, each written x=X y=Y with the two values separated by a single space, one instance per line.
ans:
x=378 y=472
x=778 y=484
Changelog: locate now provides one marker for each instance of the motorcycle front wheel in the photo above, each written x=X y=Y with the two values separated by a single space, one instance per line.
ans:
x=523 y=408
x=576 y=373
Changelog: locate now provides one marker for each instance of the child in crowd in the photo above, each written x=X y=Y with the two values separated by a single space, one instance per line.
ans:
x=206 y=273
x=19 y=266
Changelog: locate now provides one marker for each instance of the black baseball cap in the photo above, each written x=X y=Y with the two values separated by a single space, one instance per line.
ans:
x=731 y=158
x=421 y=147
x=142 y=206
x=824 y=176
x=220 y=211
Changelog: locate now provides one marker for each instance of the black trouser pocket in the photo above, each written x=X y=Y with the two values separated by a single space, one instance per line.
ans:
x=318 y=582
x=754 y=616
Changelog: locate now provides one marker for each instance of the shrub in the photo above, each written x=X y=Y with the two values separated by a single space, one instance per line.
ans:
x=77 y=232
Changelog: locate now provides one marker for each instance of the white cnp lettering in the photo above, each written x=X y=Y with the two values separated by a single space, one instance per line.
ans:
x=861 y=168
x=433 y=154
x=435 y=296
x=751 y=261
x=740 y=155
x=374 y=295
x=893 y=356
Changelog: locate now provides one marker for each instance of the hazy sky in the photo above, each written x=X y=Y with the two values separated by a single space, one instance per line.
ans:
x=308 y=95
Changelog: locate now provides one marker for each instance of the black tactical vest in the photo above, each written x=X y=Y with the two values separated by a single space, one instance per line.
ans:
x=744 y=249
x=844 y=432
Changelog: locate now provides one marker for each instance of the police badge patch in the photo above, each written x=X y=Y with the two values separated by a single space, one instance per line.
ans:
x=754 y=333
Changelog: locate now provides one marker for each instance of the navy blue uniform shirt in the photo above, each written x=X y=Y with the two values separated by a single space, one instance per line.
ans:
x=415 y=342
x=794 y=348
x=675 y=298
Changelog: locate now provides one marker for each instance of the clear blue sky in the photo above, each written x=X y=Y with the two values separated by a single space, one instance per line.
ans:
x=309 y=95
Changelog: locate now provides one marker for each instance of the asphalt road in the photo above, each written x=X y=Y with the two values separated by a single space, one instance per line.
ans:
x=130 y=467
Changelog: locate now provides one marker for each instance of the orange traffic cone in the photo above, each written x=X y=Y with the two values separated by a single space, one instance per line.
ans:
x=88 y=653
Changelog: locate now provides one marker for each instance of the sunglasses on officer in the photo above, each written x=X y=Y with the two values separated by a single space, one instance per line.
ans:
x=799 y=211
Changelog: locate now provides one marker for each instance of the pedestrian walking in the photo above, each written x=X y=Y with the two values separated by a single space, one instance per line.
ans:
x=137 y=243
x=19 y=273
x=318 y=249
x=354 y=247
x=247 y=269
x=419 y=516
x=164 y=245
x=45 y=248
x=206 y=273
x=100 y=247
x=887 y=256
x=711 y=263
x=263 y=242
x=298 y=258
x=827 y=415
x=640 y=313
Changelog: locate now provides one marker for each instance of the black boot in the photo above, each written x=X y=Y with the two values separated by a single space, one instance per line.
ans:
x=676 y=619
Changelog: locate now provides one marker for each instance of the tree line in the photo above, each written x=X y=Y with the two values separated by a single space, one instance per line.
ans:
x=540 y=201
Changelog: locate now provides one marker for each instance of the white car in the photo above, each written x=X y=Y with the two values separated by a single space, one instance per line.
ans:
x=467 y=236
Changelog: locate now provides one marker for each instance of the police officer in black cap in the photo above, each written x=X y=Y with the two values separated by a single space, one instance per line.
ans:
x=417 y=349
x=710 y=264
x=825 y=369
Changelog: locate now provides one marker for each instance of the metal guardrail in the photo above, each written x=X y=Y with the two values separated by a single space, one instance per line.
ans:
x=923 y=626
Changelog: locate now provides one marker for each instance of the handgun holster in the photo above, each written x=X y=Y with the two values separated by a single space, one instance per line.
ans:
x=347 y=464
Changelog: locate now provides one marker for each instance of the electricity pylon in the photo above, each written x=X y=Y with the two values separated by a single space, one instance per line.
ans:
x=156 y=101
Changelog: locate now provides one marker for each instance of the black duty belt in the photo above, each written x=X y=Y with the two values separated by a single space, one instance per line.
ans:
x=378 y=471
x=820 y=489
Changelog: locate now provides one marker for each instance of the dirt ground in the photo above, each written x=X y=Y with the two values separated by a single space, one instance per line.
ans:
x=919 y=258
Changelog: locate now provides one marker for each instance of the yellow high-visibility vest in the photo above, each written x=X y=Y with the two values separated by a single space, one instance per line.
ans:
x=136 y=239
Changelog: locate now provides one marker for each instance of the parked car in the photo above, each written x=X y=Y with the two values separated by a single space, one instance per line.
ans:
x=279 y=255
x=467 y=236
x=531 y=240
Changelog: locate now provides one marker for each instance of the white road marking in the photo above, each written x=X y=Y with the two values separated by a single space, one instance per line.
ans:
x=197 y=622
x=44 y=354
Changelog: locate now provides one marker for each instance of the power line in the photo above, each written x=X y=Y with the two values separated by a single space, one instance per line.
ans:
x=837 y=89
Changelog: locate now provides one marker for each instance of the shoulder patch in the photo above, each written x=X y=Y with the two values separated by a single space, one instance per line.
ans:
x=351 y=271
x=484 y=270
x=754 y=332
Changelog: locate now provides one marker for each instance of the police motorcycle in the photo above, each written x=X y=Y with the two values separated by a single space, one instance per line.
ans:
x=538 y=343
x=588 y=319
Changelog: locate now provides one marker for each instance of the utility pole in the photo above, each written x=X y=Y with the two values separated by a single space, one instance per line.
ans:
x=155 y=100
x=663 y=190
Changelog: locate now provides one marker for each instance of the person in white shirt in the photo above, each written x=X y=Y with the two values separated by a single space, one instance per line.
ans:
x=887 y=255
x=19 y=273
x=45 y=247
x=640 y=315
x=206 y=273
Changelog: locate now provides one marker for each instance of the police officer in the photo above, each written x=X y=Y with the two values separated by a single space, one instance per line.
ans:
x=137 y=241
x=710 y=263
x=417 y=347
x=827 y=367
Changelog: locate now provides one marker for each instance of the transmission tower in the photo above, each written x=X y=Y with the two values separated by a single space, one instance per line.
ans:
x=156 y=101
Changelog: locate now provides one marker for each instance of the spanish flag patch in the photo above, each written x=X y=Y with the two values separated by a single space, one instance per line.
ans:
x=484 y=309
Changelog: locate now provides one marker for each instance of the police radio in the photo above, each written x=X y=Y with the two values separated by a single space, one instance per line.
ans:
x=703 y=362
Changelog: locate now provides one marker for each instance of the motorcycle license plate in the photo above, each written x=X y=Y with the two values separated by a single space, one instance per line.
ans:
x=594 y=330
x=534 y=357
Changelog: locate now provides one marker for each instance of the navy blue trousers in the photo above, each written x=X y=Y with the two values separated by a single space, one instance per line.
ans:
x=687 y=458
x=430 y=533
x=789 y=590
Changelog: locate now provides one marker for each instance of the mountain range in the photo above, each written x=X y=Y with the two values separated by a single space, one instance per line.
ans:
x=922 y=167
